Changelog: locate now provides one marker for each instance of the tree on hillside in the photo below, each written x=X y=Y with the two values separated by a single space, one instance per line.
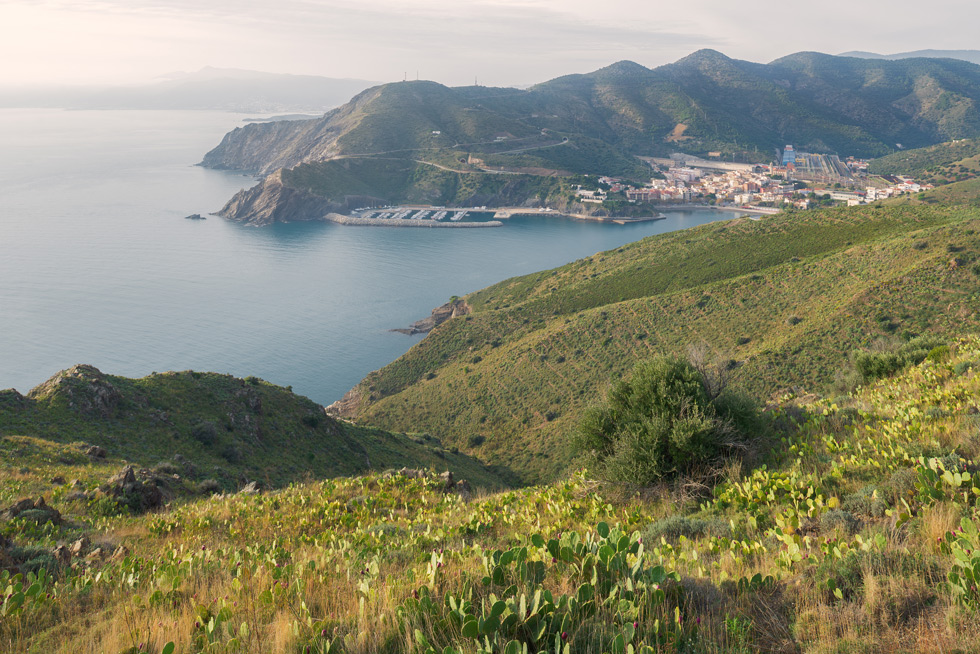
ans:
x=667 y=418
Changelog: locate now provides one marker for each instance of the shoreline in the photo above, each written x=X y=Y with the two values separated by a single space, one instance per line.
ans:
x=512 y=212
x=758 y=212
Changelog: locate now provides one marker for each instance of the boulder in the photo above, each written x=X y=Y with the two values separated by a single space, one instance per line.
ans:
x=463 y=489
x=141 y=493
x=58 y=480
x=97 y=452
x=251 y=399
x=36 y=510
x=62 y=555
x=79 y=546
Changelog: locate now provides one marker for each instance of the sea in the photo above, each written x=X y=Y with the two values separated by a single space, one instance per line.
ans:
x=98 y=264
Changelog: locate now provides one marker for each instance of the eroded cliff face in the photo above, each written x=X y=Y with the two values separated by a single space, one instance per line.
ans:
x=271 y=201
x=260 y=148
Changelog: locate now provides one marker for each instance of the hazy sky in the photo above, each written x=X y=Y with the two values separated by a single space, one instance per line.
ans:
x=503 y=42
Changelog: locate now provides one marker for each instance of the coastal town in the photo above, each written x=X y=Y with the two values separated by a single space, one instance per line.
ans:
x=799 y=180
x=794 y=181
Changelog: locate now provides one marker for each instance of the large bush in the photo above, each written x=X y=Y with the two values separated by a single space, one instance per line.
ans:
x=665 y=419
x=884 y=361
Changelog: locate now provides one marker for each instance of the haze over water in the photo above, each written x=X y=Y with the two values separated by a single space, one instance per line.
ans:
x=98 y=265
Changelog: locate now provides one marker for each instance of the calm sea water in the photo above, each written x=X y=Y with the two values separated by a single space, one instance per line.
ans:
x=98 y=265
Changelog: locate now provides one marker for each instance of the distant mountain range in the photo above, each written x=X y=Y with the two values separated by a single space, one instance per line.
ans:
x=426 y=142
x=223 y=89
x=973 y=56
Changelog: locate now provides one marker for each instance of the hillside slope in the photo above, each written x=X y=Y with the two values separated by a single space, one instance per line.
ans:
x=786 y=299
x=413 y=141
x=856 y=532
x=943 y=163
x=228 y=429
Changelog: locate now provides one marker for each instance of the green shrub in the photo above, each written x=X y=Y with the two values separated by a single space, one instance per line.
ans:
x=166 y=468
x=881 y=364
x=877 y=365
x=661 y=422
x=204 y=432
x=675 y=526
x=836 y=519
x=963 y=367
x=867 y=502
x=231 y=454
x=209 y=487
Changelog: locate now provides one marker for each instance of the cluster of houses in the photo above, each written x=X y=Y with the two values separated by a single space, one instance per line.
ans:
x=747 y=185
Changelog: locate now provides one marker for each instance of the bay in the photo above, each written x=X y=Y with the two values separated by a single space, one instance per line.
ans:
x=98 y=265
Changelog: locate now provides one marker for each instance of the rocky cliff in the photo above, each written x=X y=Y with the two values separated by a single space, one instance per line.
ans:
x=451 y=309
x=271 y=201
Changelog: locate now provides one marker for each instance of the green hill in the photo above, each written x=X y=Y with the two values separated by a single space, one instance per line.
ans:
x=857 y=533
x=953 y=161
x=421 y=141
x=786 y=299
x=210 y=426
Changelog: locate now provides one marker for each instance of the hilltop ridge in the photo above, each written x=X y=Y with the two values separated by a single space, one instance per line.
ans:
x=230 y=429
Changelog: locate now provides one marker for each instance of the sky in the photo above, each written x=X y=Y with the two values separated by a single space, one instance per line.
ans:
x=497 y=42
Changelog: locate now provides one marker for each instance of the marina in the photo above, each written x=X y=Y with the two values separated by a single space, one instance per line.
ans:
x=419 y=213
x=428 y=216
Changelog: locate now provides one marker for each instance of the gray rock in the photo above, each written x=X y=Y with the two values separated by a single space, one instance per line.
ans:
x=141 y=494
x=36 y=510
x=79 y=546
x=96 y=452
x=62 y=555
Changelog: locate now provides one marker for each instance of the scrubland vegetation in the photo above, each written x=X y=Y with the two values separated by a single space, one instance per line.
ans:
x=854 y=529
